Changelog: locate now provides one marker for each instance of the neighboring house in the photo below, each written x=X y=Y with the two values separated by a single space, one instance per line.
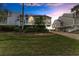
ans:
x=56 y=25
x=30 y=19
x=14 y=19
x=66 y=23
x=10 y=20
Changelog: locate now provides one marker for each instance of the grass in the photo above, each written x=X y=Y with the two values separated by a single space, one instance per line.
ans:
x=13 y=44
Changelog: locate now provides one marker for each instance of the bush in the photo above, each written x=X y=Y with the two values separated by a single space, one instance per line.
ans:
x=35 y=28
x=8 y=28
x=16 y=29
x=27 y=28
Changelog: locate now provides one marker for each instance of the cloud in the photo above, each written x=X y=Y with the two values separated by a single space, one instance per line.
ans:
x=55 y=4
x=33 y=4
x=59 y=12
x=48 y=4
x=66 y=8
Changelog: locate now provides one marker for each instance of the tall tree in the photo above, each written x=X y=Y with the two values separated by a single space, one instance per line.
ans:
x=75 y=11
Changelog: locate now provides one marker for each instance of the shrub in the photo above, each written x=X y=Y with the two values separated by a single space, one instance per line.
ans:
x=35 y=28
x=27 y=28
x=16 y=29
x=8 y=28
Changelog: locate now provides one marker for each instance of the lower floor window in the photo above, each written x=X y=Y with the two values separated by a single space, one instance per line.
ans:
x=3 y=20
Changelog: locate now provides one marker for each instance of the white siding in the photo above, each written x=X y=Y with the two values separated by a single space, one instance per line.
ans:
x=77 y=21
x=12 y=20
x=67 y=21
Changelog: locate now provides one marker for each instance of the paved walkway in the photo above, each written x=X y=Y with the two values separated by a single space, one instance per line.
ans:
x=71 y=35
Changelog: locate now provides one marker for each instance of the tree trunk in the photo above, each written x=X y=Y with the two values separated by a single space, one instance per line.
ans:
x=22 y=19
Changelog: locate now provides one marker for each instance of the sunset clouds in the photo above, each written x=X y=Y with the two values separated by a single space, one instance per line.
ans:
x=60 y=9
x=52 y=9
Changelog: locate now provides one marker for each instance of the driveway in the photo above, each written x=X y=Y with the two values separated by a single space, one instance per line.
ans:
x=70 y=35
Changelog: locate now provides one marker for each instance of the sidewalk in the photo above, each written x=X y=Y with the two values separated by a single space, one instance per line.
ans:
x=70 y=35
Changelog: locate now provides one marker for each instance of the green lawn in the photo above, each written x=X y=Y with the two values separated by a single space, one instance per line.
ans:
x=30 y=44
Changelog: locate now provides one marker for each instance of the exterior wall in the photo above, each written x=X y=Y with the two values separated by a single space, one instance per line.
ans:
x=77 y=21
x=69 y=15
x=13 y=19
x=67 y=21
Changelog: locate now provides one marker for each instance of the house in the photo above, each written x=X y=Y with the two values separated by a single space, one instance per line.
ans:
x=30 y=19
x=14 y=19
x=56 y=25
x=67 y=23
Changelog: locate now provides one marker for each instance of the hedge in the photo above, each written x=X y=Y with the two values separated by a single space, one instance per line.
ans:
x=27 y=28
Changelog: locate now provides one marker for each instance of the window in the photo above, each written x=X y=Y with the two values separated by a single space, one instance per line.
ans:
x=3 y=20
x=26 y=20
x=18 y=18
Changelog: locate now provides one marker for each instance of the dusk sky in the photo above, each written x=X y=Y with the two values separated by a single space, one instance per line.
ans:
x=52 y=9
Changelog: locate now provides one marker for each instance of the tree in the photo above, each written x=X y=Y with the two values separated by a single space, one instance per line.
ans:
x=39 y=21
x=75 y=11
x=40 y=24
x=75 y=8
